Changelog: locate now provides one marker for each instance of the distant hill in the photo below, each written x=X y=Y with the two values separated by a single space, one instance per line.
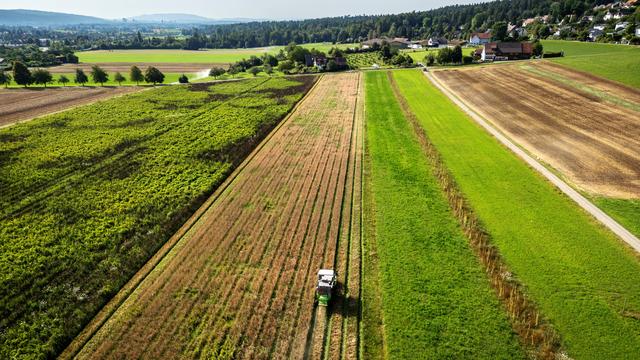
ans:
x=45 y=18
x=184 y=19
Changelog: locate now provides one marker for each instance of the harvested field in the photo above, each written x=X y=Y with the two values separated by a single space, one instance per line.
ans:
x=23 y=104
x=591 y=141
x=124 y=67
x=240 y=283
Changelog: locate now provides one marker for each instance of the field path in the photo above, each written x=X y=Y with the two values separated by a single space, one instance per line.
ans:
x=587 y=205
x=240 y=281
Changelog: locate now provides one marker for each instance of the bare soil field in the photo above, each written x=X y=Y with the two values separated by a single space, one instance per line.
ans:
x=240 y=283
x=23 y=104
x=124 y=67
x=594 y=144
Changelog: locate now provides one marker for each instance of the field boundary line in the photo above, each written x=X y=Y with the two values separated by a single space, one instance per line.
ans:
x=123 y=294
x=624 y=234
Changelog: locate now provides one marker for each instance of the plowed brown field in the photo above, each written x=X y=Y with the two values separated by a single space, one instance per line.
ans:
x=595 y=144
x=240 y=283
x=20 y=104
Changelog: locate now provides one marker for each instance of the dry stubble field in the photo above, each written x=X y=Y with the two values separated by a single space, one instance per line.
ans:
x=240 y=283
x=578 y=131
x=22 y=104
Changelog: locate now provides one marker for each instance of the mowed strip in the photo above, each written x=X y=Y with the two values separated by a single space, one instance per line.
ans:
x=583 y=279
x=240 y=284
x=19 y=104
x=437 y=302
x=595 y=144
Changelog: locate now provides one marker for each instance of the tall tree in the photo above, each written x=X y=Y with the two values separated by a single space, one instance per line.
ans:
x=456 y=55
x=99 y=75
x=216 y=71
x=42 y=77
x=21 y=74
x=153 y=75
x=499 y=31
x=80 y=78
x=5 y=79
x=135 y=74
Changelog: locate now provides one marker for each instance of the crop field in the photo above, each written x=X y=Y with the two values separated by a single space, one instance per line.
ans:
x=215 y=56
x=18 y=104
x=429 y=279
x=584 y=127
x=615 y=62
x=597 y=147
x=240 y=281
x=138 y=167
x=362 y=60
x=581 y=276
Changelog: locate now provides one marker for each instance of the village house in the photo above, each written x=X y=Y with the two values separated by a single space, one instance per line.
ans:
x=610 y=15
x=496 y=51
x=436 y=42
x=595 y=32
x=638 y=31
x=457 y=42
x=400 y=43
x=319 y=61
x=479 y=38
x=621 y=25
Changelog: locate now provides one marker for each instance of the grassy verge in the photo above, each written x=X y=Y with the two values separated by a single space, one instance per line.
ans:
x=580 y=275
x=615 y=62
x=624 y=211
x=436 y=300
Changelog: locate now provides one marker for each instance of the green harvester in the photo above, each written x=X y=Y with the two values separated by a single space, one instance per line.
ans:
x=326 y=284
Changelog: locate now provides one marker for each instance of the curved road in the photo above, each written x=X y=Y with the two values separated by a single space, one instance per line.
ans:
x=587 y=205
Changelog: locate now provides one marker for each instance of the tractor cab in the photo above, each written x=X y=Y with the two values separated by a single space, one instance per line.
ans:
x=326 y=283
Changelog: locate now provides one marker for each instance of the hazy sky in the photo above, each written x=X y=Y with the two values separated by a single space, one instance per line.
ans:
x=263 y=9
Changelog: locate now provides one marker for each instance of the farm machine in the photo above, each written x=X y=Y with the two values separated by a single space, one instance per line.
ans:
x=326 y=284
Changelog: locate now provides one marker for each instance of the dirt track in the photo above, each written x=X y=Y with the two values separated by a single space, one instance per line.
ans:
x=596 y=145
x=241 y=282
x=23 y=104
x=125 y=67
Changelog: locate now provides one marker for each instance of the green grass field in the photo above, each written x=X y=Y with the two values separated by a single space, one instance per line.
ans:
x=90 y=194
x=216 y=56
x=582 y=277
x=615 y=62
x=168 y=79
x=436 y=300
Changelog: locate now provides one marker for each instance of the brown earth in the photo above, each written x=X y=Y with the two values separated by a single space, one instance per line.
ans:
x=125 y=67
x=240 y=282
x=24 y=104
x=594 y=144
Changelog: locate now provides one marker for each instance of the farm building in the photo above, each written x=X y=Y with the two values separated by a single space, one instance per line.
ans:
x=506 y=51
x=315 y=60
x=400 y=43
x=479 y=38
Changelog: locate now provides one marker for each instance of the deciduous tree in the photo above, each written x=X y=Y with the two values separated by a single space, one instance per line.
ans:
x=119 y=78
x=21 y=74
x=216 y=72
x=63 y=80
x=5 y=79
x=135 y=74
x=42 y=77
x=80 y=78
x=98 y=75
x=153 y=75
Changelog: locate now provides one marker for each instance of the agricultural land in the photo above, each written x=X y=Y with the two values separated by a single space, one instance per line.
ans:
x=581 y=277
x=582 y=126
x=139 y=166
x=19 y=104
x=239 y=281
x=615 y=62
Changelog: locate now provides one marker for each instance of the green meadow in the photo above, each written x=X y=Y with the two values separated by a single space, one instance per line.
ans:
x=615 y=62
x=582 y=277
x=436 y=300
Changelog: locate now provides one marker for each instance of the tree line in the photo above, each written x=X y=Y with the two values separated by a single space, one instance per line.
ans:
x=22 y=75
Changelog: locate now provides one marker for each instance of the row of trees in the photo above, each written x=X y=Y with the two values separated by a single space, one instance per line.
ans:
x=25 y=77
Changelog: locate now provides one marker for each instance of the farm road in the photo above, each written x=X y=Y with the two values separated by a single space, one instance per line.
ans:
x=587 y=205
